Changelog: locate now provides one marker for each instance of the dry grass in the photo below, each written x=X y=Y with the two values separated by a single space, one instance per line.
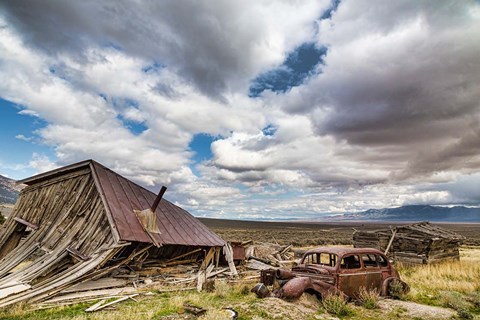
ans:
x=316 y=233
x=453 y=284
x=368 y=298
x=222 y=288
x=461 y=276
x=336 y=305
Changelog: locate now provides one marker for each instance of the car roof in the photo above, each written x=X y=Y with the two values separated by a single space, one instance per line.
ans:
x=341 y=251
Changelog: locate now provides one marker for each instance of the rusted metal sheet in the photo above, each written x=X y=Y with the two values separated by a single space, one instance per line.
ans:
x=238 y=251
x=294 y=288
x=175 y=225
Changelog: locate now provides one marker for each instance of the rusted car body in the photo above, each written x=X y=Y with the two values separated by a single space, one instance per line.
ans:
x=335 y=270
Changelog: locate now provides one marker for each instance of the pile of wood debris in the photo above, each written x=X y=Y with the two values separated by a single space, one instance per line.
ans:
x=267 y=255
x=181 y=273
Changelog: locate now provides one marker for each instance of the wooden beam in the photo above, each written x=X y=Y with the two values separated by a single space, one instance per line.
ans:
x=98 y=306
x=185 y=254
x=78 y=254
x=391 y=241
x=25 y=222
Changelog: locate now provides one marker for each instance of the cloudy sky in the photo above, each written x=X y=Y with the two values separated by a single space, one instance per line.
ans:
x=249 y=109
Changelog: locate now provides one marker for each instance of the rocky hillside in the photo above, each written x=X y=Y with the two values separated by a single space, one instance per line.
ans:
x=8 y=190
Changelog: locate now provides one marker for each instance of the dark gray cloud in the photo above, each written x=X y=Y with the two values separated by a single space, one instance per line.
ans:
x=403 y=76
x=393 y=104
x=217 y=45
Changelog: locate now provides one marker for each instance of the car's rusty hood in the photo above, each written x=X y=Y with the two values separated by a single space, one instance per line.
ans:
x=311 y=268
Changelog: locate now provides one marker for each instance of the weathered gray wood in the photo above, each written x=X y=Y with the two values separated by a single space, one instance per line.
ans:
x=103 y=283
x=228 y=252
x=97 y=307
x=419 y=239
x=185 y=255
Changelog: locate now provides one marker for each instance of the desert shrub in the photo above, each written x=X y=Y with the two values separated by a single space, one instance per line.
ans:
x=2 y=218
x=245 y=290
x=336 y=305
x=453 y=300
x=464 y=314
x=474 y=298
x=395 y=289
x=456 y=301
x=368 y=298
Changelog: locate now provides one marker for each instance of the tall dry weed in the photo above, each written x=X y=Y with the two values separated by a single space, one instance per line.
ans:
x=461 y=276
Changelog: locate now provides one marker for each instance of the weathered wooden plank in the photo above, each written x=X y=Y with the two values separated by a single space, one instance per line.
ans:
x=228 y=252
x=12 y=288
x=97 y=307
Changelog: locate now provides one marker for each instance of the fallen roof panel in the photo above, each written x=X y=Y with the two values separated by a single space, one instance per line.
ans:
x=176 y=225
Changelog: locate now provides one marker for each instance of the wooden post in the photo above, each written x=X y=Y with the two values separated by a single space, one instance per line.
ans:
x=158 y=198
x=394 y=232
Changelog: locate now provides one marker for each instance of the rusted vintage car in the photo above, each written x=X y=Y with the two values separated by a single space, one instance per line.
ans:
x=334 y=270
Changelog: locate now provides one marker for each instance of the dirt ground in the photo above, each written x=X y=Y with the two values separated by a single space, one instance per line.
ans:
x=416 y=311
x=307 y=307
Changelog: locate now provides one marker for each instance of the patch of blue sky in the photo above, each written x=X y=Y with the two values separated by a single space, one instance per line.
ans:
x=19 y=141
x=134 y=127
x=269 y=130
x=297 y=67
x=154 y=67
x=330 y=10
x=122 y=105
x=103 y=96
x=200 y=145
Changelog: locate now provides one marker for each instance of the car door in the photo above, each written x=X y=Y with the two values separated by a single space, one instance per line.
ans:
x=385 y=268
x=351 y=276
x=373 y=274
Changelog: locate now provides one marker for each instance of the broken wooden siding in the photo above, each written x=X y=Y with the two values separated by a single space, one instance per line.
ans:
x=418 y=243
x=70 y=226
x=69 y=213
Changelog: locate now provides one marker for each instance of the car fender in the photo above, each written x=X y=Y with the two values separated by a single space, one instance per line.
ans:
x=295 y=287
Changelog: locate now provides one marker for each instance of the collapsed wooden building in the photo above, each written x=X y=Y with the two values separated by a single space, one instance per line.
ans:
x=83 y=222
x=418 y=243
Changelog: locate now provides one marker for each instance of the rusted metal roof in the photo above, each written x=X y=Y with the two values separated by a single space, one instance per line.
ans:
x=122 y=196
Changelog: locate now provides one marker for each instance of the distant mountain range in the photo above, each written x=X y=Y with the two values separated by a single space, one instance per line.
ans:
x=8 y=190
x=9 y=194
x=414 y=213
